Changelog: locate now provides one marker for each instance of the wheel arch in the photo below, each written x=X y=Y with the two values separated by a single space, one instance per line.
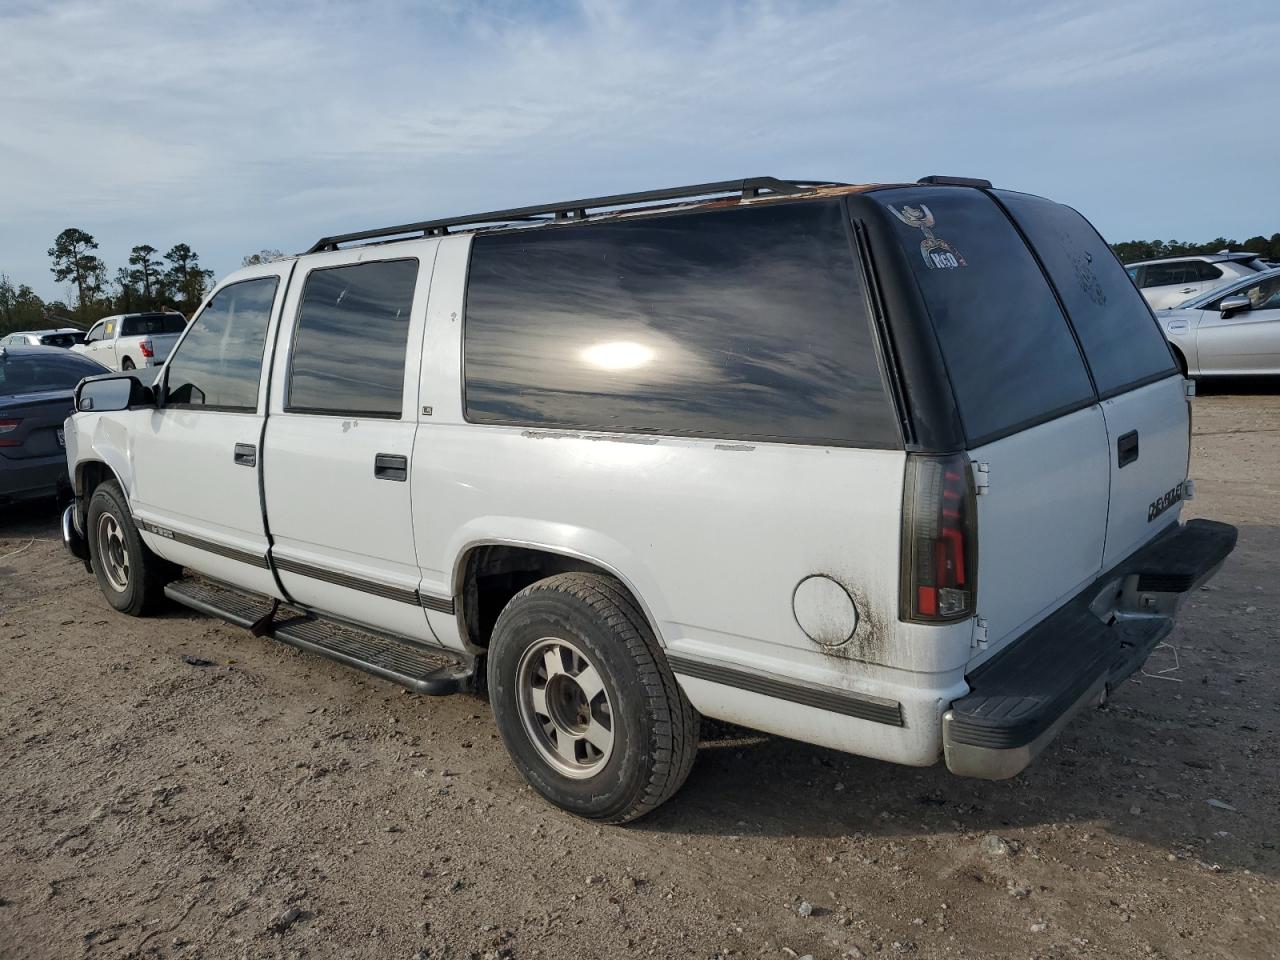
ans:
x=512 y=564
x=89 y=475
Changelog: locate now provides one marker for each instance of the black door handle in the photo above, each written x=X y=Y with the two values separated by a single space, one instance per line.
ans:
x=246 y=455
x=391 y=466
x=1127 y=448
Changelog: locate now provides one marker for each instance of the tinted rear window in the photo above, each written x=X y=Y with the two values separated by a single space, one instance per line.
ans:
x=36 y=374
x=1009 y=352
x=1120 y=338
x=735 y=323
x=153 y=324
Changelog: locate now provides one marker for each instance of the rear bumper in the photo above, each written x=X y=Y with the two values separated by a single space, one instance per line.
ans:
x=1020 y=700
x=33 y=477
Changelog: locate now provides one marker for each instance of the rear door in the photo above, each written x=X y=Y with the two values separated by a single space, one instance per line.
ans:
x=1025 y=401
x=1142 y=392
x=339 y=441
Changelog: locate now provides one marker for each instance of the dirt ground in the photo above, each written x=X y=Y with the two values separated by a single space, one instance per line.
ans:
x=277 y=805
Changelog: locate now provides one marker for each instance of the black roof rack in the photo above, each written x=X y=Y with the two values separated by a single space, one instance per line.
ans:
x=577 y=209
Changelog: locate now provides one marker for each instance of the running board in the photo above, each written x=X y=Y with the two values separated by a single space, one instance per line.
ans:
x=432 y=671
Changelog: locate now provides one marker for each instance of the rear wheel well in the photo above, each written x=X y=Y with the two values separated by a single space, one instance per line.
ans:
x=493 y=574
x=1182 y=360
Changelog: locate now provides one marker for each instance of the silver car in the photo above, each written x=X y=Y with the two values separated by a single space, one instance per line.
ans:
x=1231 y=330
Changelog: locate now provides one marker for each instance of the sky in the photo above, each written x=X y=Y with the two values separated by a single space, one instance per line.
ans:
x=235 y=126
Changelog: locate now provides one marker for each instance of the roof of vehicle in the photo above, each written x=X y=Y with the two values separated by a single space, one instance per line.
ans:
x=35 y=333
x=750 y=190
x=1239 y=255
x=10 y=351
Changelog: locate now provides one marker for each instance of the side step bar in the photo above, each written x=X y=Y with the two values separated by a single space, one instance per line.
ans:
x=432 y=671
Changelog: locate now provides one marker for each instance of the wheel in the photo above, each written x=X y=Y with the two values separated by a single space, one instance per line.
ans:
x=126 y=364
x=585 y=702
x=132 y=578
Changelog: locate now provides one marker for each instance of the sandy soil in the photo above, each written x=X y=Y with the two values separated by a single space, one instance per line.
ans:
x=277 y=805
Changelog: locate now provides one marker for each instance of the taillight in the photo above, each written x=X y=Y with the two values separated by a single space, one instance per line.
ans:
x=8 y=426
x=147 y=349
x=939 y=540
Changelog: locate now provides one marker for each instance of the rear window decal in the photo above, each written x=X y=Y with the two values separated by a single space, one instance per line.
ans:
x=936 y=252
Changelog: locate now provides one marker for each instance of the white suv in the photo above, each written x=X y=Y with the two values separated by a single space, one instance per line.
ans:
x=854 y=465
x=1170 y=282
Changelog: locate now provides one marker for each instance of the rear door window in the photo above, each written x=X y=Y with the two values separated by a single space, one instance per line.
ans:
x=351 y=340
x=1121 y=341
x=739 y=323
x=1009 y=352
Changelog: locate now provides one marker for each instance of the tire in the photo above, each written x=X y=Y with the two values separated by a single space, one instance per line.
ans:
x=611 y=677
x=126 y=364
x=131 y=577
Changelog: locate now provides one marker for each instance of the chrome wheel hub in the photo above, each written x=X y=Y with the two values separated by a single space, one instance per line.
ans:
x=565 y=708
x=113 y=553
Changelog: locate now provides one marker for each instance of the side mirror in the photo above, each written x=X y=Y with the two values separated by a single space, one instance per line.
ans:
x=1229 y=305
x=113 y=392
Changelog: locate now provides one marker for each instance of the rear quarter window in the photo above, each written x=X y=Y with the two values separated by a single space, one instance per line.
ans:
x=1121 y=341
x=1009 y=353
x=738 y=323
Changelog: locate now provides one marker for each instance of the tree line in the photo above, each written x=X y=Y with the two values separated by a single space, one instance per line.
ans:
x=1131 y=250
x=148 y=281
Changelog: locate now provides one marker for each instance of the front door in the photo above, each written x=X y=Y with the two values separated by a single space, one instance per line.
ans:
x=1246 y=341
x=196 y=495
x=339 y=441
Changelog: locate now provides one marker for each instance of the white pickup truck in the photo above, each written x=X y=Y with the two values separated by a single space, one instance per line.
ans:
x=132 y=340
x=895 y=470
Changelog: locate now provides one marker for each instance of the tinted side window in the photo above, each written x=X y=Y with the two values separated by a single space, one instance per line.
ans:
x=1009 y=352
x=1206 y=272
x=1121 y=341
x=349 y=347
x=218 y=364
x=732 y=323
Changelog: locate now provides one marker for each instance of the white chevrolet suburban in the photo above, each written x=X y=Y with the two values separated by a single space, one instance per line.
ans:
x=892 y=469
x=133 y=340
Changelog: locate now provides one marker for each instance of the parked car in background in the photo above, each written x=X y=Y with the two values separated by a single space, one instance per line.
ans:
x=65 y=337
x=748 y=454
x=133 y=340
x=36 y=386
x=1232 y=330
x=1167 y=283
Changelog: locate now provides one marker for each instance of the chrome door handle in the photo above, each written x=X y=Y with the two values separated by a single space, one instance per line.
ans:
x=246 y=455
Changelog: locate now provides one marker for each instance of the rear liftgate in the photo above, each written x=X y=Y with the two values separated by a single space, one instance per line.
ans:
x=432 y=671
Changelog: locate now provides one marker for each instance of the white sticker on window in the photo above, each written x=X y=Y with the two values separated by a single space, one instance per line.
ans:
x=937 y=253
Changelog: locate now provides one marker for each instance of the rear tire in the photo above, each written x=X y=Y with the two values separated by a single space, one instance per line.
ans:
x=131 y=577
x=585 y=702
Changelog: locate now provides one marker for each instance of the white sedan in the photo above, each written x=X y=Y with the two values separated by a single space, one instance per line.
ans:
x=1230 y=331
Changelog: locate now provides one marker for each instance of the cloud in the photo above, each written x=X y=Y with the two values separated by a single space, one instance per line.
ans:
x=233 y=125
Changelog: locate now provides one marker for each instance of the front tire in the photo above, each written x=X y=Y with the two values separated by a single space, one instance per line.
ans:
x=131 y=577
x=585 y=702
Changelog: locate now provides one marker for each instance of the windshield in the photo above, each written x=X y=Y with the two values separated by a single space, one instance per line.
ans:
x=58 y=339
x=37 y=373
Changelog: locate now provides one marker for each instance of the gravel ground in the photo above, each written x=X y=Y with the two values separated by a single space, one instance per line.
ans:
x=275 y=805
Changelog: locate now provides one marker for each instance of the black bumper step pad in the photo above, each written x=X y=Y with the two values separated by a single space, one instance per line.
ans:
x=1177 y=563
x=1022 y=691
x=430 y=671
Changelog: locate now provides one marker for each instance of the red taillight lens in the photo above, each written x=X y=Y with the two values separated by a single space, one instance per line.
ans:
x=939 y=539
x=147 y=349
x=8 y=426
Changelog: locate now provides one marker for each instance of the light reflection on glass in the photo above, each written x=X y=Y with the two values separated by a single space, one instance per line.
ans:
x=617 y=355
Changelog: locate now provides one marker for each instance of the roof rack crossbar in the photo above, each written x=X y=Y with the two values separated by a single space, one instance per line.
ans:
x=575 y=209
